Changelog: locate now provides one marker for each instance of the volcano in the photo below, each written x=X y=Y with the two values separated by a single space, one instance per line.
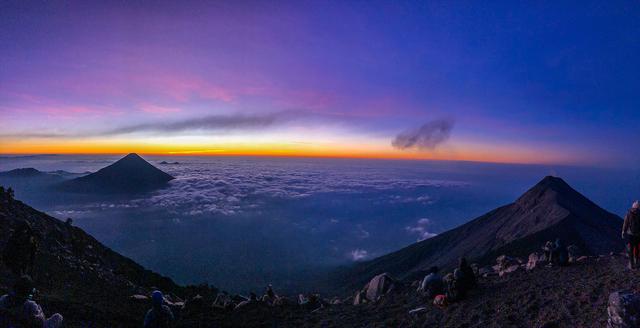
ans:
x=130 y=174
x=549 y=210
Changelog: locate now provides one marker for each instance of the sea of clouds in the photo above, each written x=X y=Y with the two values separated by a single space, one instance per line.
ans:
x=246 y=221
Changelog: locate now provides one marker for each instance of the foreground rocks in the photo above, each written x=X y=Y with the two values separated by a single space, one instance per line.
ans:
x=624 y=309
x=375 y=289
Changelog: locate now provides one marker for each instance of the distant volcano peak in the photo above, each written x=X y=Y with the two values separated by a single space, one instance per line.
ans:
x=132 y=155
x=555 y=183
x=129 y=174
x=550 y=209
x=547 y=184
x=555 y=191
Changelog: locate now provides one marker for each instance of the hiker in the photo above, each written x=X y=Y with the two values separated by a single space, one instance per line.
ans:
x=631 y=232
x=19 y=309
x=456 y=286
x=467 y=271
x=548 y=251
x=160 y=315
x=270 y=296
x=20 y=251
x=432 y=284
x=560 y=254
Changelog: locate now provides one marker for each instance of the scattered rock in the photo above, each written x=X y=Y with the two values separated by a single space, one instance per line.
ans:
x=574 y=253
x=510 y=269
x=486 y=271
x=506 y=264
x=360 y=298
x=582 y=258
x=138 y=297
x=418 y=310
x=623 y=309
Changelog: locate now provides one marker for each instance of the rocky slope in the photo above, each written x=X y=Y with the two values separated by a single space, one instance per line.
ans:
x=77 y=275
x=574 y=296
x=549 y=210
x=129 y=174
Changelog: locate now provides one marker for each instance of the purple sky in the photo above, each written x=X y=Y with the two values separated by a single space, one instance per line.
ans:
x=536 y=82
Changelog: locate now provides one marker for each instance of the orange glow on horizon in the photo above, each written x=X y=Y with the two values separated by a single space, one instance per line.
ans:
x=472 y=153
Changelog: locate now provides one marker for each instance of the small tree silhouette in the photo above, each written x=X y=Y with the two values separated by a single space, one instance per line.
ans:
x=11 y=192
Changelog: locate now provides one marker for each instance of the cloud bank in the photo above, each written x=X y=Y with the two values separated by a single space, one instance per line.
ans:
x=211 y=123
x=426 y=137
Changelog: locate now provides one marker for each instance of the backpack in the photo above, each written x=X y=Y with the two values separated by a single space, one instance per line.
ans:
x=634 y=222
x=440 y=301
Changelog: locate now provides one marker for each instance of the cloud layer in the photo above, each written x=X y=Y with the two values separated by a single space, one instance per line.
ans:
x=229 y=187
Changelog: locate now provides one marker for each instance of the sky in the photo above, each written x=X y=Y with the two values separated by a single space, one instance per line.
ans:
x=530 y=82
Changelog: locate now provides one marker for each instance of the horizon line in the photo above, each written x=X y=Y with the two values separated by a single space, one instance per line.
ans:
x=364 y=157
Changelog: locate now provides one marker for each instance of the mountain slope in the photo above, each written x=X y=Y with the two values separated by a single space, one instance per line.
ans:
x=81 y=277
x=129 y=174
x=549 y=210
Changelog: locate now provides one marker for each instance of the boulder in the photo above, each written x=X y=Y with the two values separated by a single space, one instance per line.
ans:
x=506 y=261
x=506 y=264
x=379 y=286
x=196 y=303
x=534 y=259
x=486 y=271
x=510 y=269
x=284 y=301
x=623 y=309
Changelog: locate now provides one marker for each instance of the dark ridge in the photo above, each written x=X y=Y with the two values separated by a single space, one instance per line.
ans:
x=21 y=173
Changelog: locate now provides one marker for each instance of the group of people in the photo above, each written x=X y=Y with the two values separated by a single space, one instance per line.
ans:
x=19 y=309
x=225 y=301
x=631 y=233
x=555 y=253
x=450 y=288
